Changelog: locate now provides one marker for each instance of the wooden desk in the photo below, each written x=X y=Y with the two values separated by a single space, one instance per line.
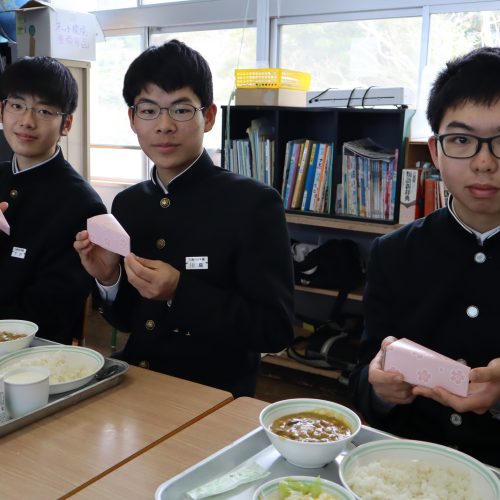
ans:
x=139 y=478
x=73 y=447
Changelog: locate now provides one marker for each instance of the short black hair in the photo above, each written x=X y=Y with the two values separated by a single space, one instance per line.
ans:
x=170 y=66
x=44 y=77
x=474 y=77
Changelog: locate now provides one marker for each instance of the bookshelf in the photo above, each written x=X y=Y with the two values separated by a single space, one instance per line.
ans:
x=417 y=150
x=387 y=127
x=341 y=224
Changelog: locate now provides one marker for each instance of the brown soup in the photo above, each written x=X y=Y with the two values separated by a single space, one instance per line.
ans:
x=311 y=427
x=5 y=336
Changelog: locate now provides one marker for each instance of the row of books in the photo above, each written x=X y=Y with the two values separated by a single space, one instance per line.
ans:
x=369 y=180
x=422 y=192
x=307 y=175
x=253 y=157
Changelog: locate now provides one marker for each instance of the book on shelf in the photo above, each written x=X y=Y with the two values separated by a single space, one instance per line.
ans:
x=313 y=202
x=253 y=156
x=422 y=192
x=410 y=196
x=369 y=179
x=307 y=176
x=323 y=198
x=311 y=173
x=298 y=191
x=291 y=168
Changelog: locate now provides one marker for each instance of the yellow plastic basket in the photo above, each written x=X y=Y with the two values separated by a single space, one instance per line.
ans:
x=272 y=78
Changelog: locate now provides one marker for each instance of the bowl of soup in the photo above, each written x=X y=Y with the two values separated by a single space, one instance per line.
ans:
x=16 y=334
x=308 y=432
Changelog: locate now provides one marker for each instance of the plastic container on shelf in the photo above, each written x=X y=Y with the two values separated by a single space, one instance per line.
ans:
x=272 y=78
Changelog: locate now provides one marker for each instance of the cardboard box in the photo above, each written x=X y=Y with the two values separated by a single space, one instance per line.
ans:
x=43 y=30
x=270 y=97
x=422 y=366
x=371 y=96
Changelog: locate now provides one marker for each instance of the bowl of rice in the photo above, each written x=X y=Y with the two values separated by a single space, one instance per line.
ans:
x=309 y=432
x=16 y=334
x=301 y=488
x=402 y=469
x=70 y=367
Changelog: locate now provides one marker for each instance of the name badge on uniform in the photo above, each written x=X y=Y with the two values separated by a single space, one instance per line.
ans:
x=196 y=263
x=18 y=252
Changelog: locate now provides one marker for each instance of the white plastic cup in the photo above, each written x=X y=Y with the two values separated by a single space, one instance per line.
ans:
x=26 y=390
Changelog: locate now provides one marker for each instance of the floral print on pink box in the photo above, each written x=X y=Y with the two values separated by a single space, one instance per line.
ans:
x=422 y=366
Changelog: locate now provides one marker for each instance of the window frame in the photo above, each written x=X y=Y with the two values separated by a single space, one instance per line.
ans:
x=121 y=181
x=269 y=16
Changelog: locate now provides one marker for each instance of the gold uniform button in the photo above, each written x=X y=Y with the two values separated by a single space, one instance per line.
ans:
x=13 y=193
x=150 y=324
x=144 y=364
x=160 y=244
x=165 y=202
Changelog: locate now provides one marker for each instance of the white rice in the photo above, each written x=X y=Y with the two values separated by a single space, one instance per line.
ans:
x=60 y=369
x=410 y=480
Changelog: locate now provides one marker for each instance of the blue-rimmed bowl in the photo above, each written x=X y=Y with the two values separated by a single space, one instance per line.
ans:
x=80 y=363
x=309 y=455
x=18 y=326
x=269 y=490
x=484 y=483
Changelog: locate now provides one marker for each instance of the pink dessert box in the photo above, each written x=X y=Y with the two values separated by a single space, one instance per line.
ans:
x=104 y=230
x=4 y=225
x=422 y=366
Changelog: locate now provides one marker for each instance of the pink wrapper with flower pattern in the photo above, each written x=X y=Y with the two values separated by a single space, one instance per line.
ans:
x=4 y=225
x=422 y=366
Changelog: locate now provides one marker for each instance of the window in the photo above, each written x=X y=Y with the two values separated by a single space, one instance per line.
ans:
x=114 y=150
x=347 y=54
x=456 y=33
x=224 y=50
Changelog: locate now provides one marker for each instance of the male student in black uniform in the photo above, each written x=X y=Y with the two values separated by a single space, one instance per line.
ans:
x=435 y=281
x=209 y=285
x=44 y=200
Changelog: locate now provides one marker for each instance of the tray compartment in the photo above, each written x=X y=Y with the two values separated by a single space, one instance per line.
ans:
x=59 y=401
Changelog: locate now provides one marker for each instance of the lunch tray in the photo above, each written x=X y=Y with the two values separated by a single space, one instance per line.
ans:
x=255 y=447
x=112 y=373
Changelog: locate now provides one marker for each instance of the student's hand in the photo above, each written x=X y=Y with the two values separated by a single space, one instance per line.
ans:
x=153 y=279
x=4 y=206
x=483 y=394
x=390 y=386
x=102 y=264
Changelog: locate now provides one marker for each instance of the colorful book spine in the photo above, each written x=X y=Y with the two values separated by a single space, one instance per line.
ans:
x=311 y=174
x=301 y=175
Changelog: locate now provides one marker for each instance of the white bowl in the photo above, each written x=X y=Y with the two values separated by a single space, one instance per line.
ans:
x=84 y=363
x=308 y=454
x=269 y=490
x=19 y=326
x=484 y=483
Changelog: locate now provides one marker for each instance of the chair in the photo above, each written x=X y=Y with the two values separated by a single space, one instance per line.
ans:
x=79 y=340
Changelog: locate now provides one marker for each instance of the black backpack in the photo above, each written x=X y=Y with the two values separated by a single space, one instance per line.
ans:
x=336 y=264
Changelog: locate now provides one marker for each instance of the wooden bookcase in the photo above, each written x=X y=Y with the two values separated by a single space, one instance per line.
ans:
x=417 y=150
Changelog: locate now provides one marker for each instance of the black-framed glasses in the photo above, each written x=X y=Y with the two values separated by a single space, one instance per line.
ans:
x=19 y=107
x=467 y=145
x=180 y=112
